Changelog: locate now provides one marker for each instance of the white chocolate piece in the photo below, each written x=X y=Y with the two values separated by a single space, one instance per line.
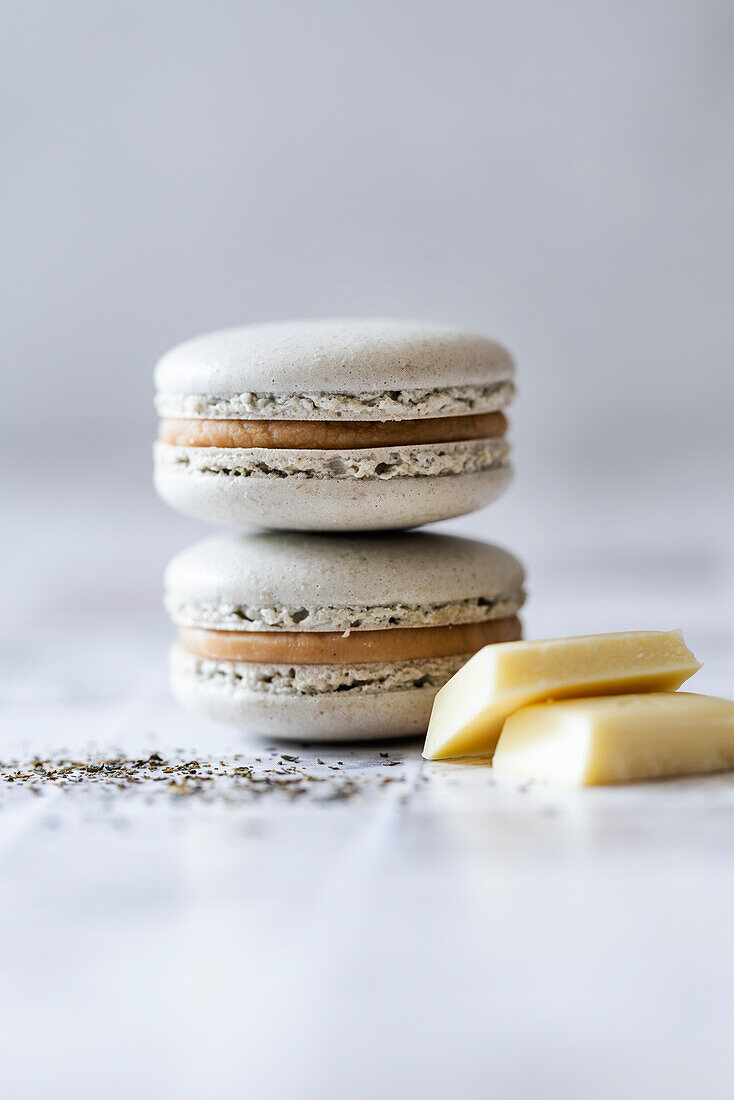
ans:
x=617 y=738
x=469 y=711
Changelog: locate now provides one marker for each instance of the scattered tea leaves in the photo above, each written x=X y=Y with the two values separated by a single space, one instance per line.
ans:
x=212 y=781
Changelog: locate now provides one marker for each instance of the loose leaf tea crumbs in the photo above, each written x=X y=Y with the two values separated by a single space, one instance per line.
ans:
x=203 y=780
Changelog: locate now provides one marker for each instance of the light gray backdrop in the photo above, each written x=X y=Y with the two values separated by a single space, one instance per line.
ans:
x=558 y=175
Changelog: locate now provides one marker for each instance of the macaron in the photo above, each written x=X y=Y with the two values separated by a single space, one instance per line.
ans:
x=324 y=638
x=333 y=425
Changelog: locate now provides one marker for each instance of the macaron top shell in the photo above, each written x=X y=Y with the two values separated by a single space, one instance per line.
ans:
x=268 y=580
x=336 y=356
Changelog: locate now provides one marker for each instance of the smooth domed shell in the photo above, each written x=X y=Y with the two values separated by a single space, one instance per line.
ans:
x=337 y=356
x=287 y=570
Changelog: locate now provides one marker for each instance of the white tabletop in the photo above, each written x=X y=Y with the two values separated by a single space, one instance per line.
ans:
x=440 y=933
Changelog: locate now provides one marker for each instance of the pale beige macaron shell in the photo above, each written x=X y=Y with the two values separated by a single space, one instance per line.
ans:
x=267 y=581
x=345 y=356
x=322 y=716
x=348 y=370
x=298 y=503
x=288 y=582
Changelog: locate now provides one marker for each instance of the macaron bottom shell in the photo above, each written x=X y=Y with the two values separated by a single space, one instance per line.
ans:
x=336 y=715
x=295 y=502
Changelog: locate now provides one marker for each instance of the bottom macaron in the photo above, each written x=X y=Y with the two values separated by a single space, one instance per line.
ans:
x=322 y=638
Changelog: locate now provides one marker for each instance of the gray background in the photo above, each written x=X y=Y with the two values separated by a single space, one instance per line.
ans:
x=557 y=175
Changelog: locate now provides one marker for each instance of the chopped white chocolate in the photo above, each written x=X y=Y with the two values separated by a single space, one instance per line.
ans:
x=616 y=738
x=469 y=711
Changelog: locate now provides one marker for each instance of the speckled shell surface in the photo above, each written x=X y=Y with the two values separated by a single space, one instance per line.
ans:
x=328 y=716
x=264 y=569
x=271 y=581
x=363 y=370
x=328 y=504
x=331 y=356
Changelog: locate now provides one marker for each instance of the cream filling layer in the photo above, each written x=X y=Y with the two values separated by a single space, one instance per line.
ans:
x=327 y=435
x=330 y=647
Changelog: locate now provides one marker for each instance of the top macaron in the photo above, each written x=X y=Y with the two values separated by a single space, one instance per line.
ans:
x=333 y=425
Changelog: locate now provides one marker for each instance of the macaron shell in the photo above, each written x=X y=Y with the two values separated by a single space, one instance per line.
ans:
x=329 y=717
x=329 y=504
x=350 y=464
x=281 y=570
x=331 y=356
x=393 y=404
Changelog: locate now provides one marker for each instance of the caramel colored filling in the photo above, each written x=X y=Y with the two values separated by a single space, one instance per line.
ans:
x=325 y=435
x=329 y=647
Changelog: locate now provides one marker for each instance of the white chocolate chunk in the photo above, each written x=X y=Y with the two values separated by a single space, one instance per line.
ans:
x=616 y=738
x=469 y=711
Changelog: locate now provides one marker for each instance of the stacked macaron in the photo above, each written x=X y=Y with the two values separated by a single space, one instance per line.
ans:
x=349 y=426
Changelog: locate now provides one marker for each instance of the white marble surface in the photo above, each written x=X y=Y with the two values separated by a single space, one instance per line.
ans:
x=440 y=934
